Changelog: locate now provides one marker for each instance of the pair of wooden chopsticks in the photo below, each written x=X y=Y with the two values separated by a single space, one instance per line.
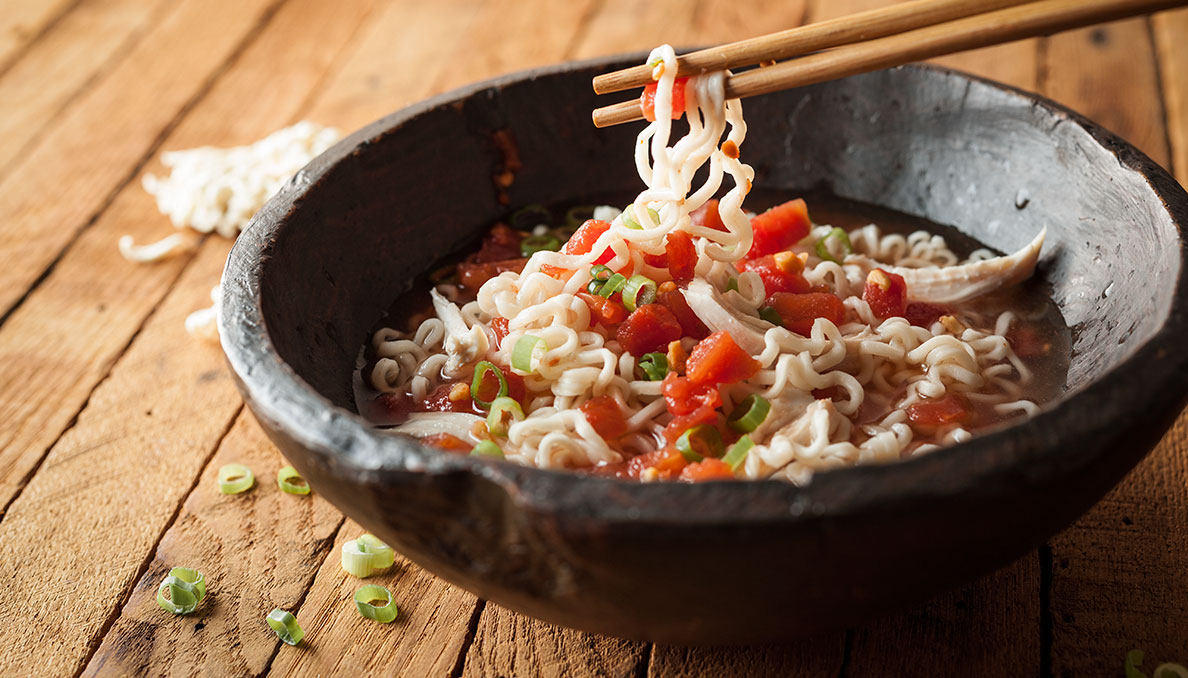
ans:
x=868 y=41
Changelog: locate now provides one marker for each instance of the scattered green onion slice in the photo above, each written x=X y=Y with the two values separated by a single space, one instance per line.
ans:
x=823 y=245
x=487 y=448
x=639 y=291
x=530 y=216
x=366 y=555
x=654 y=366
x=503 y=409
x=1134 y=659
x=612 y=285
x=291 y=481
x=539 y=243
x=738 y=452
x=771 y=315
x=593 y=286
x=235 y=478
x=480 y=370
x=629 y=217
x=1170 y=670
x=749 y=414
x=527 y=347
x=367 y=596
x=732 y=284
x=186 y=588
x=286 y=626
x=699 y=442
x=601 y=272
x=576 y=216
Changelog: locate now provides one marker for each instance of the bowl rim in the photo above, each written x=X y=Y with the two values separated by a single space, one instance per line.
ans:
x=1020 y=452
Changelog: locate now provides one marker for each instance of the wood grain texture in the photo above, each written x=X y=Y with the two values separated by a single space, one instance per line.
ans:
x=97 y=145
x=812 y=658
x=108 y=488
x=424 y=641
x=258 y=550
x=47 y=365
x=23 y=21
x=71 y=57
x=1120 y=578
x=1171 y=43
x=990 y=627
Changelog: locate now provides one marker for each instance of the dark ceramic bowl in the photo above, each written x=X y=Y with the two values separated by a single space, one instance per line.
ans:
x=732 y=561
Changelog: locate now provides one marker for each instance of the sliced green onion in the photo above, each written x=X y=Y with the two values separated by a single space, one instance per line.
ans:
x=186 y=588
x=503 y=409
x=539 y=243
x=528 y=217
x=654 y=366
x=1170 y=670
x=285 y=625
x=640 y=290
x=629 y=217
x=749 y=414
x=593 y=286
x=235 y=478
x=487 y=448
x=771 y=315
x=699 y=442
x=291 y=481
x=612 y=285
x=738 y=452
x=732 y=284
x=823 y=245
x=1134 y=659
x=366 y=555
x=601 y=272
x=366 y=599
x=527 y=347
x=576 y=216
x=480 y=370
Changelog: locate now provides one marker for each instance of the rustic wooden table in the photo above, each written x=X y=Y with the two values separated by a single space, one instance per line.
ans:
x=113 y=421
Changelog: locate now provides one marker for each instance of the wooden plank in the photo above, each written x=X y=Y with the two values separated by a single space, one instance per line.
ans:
x=1172 y=50
x=258 y=550
x=110 y=486
x=47 y=365
x=107 y=132
x=990 y=627
x=1119 y=579
x=23 y=21
x=507 y=643
x=424 y=641
x=810 y=658
x=72 y=56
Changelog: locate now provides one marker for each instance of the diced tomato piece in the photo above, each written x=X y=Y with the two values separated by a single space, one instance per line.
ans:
x=707 y=215
x=799 y=311
x=705 y=414
x=953 y=408
x=500 y=244
x=707 y=469
x=668 y=462
x=472 y=275
x=581 y=242
x=649 y=328
x=781 y=272
x=647 y=100
x=1027 y=341
x=779 y=228
x=603 y=310
x=499 y=325
x=605 y=415
x=684 y=397
x=447 y=441
x=921 y=314
x=393 y=408
x=516 y=390
x=680 y=257
x=717 y=359
x=439 y=400
x=691 y=325
x=886 y=293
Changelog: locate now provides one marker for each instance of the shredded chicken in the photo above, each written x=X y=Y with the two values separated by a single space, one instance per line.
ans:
x=421 y=424
x=463 y=344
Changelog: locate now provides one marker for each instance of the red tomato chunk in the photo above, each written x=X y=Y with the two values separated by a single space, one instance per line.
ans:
x=953 y=408
x=707 y=215
x=691 y=325
x=472 y=275
x=605 y=415
x=707 y=469
x=779 y=228
x=649 y=328
x=581 y=242
x=924 y=315
x=717 y=359
x=499 y=326
x=799 y=311
x=782 y=272
x=500 y=244
x=647 y=100
x=489 y=388
x=680 y=257
x=603 y=310
x=447 y=442
x=886 y=293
